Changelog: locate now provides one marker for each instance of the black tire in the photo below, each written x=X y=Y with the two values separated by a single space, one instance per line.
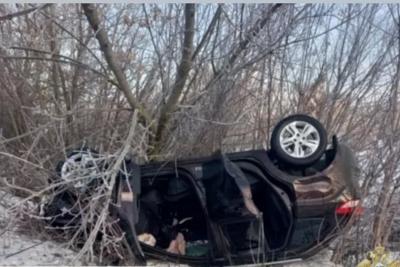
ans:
x=56 y=207
x=285 y=156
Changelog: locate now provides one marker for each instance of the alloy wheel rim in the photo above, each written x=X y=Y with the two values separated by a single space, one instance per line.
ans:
x=79 y=166
x=299 y=139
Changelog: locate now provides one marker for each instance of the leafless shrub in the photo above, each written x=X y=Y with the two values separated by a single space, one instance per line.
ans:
x=220 y=80
x=92 y=207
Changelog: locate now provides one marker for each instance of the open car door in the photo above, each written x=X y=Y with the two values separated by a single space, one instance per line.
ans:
x=243 y=205
x=127 y=192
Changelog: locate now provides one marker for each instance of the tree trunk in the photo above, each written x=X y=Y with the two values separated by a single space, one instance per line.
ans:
x=180 y=80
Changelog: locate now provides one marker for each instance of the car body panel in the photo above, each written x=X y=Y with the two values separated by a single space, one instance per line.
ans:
x=305 y=197
x=306 y=203
x=335 y=184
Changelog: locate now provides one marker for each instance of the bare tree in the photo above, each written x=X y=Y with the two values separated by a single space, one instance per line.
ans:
x=201 y=78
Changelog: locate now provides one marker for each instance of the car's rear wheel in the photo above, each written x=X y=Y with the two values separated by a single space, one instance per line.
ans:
x=299 y=140
x=79 y=163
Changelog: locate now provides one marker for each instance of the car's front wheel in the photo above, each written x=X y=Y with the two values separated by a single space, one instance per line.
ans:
x=299 y=140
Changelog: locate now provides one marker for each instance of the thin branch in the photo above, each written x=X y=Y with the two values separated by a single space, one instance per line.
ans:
x=81 y=42
x=259 y=25
x=156 y=49
x=113 y=177
x=106 y=47
x=69 y=61
x=250 y=36
x=23 y=250
x=23 y=12
x=208 y=32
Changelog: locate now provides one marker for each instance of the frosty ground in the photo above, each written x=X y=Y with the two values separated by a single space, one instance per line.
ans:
x=31 y=249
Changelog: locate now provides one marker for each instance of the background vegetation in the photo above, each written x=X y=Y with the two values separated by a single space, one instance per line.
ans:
x=202 y=78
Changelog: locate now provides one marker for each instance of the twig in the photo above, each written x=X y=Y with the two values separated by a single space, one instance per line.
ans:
x=39 y=193
x=114 y=172
x=23 y=160
x=23 y=12
x=23 y=250
x=69 y=61
x=106 y=47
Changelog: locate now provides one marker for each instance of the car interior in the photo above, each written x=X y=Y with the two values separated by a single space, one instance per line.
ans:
x=170 y=204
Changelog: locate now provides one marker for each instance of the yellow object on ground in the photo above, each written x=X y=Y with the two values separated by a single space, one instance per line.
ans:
x=379 y=257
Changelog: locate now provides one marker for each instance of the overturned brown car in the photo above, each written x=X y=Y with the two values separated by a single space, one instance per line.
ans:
x=239 y=208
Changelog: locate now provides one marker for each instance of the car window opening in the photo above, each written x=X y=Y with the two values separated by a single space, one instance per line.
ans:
x=171 y=217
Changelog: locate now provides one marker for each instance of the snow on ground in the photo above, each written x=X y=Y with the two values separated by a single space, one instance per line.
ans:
x=319 y=260
x=17 y=249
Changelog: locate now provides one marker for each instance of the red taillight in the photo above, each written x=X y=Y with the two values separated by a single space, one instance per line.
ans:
x=350 y=207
